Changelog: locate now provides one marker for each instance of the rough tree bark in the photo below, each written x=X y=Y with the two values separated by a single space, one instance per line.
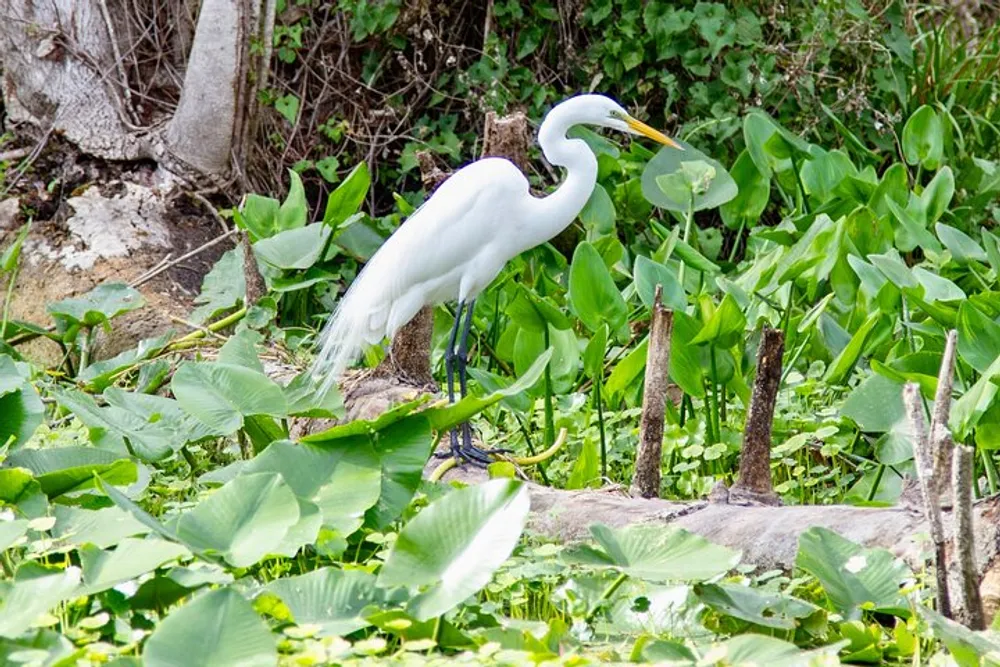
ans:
x=69 y=69
x=648 y=458
x=754 y=483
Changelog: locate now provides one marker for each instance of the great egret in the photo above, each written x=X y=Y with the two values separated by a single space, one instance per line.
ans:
x=457 y=242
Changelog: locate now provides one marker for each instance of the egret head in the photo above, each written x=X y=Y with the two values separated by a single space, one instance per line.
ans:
x=603 y=111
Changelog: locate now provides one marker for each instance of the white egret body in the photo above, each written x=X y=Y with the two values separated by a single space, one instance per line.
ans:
x=454 y=245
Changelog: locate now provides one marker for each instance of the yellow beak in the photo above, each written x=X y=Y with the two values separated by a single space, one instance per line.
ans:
x=655 y=135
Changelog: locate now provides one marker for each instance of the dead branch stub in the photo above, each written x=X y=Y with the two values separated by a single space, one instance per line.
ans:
x=646 y=478
x=754 y=483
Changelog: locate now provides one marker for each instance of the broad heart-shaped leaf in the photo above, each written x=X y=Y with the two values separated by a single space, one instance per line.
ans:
x=21 y=409
x=851 y=575
x=822 y=174
x=294 y=211
x=99 y=375
x=223 y=287
x=111 y=427
x=33 y=591
x=754 y=649
x=598 y=214
x=348 y=197
x=20 y=489
x=771 y=610
x=593 y=355
x=937 y=195
x=11 y=531
x=98 y=305
x=754 y=189
x=686 y=368
x=968 y=648
x=60 y=470
x=923 y=138
x=725 y=327
x=657 y=553
x=244 y=520
x=875 y=405
x=669 y=161
x=220 y=395
x=130 y=559
x=259 y=216
x=335 y=600
x=978 y=337
x=216 y=628
x=306 y=400
x=649 y=274
x=344 y=481
x=962 y=247
x=455 y=544
x=592 y=291
x=769 y=144
x=534 y=312
x=104 y=528
x=294 y=248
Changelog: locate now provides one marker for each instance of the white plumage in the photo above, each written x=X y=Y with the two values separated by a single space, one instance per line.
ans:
x=454 y=245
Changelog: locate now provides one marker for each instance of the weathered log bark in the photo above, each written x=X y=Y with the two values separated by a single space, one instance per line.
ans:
x=767 y=536
x=754 y=483
x=648 y=458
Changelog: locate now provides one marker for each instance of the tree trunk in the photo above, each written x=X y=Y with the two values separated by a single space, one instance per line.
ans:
x=79 y=71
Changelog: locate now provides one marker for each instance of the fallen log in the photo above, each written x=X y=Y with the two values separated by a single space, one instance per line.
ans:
x=767 y=536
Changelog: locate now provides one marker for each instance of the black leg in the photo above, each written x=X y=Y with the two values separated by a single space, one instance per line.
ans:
x=449 y=370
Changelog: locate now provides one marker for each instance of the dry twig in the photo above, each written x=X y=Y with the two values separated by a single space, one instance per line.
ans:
x=971 y=604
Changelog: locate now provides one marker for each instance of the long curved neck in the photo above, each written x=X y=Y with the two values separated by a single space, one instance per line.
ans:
x=556 y=211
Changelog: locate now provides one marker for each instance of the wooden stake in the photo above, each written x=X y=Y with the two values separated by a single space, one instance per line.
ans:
x=971 y=604
x=940 y=436
x=646 y=478
x=924 y=460
x=754 y=484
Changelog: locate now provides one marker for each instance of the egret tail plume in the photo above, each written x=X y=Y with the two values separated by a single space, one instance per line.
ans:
x=358 y=320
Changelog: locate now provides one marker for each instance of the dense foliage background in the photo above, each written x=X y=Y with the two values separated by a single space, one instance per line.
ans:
x=841 y=182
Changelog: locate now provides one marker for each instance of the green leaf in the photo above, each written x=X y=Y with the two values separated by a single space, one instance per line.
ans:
x=534 y=312
x=288 y=107
x=593 y=355
x=243 y=521
x=61 y=470
x=294 y=248
x=10 y=256
x=33 y=591
x=130 y=559
x=770 y=145
x=220 y=395
x=259 y=217
x=686 y=368
x=725 y=327
x=851 y=575
x=21 y=408
x=586 y=470
x=627 y=371
x=963 y=249
x=455 y=544
x=348 y=197
x=978 y=337
x=841 y=366
x=672 y=161
x=592 y=291
x=649 y=274
x=334 y=600
x=223 y=287
x=294 y=211
x=974 y=403
x=875 y=405
x=598 y=215
x=343 y=481
x=968 y=648
x=656 y=553
x=923 y=138
x=98 y=305
x=104 y=528
x=216 y=628
x=121 y=430
x=770 y=610
x=937 y=195
x=101 y=374
x=822 y=174
x=753 y=193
